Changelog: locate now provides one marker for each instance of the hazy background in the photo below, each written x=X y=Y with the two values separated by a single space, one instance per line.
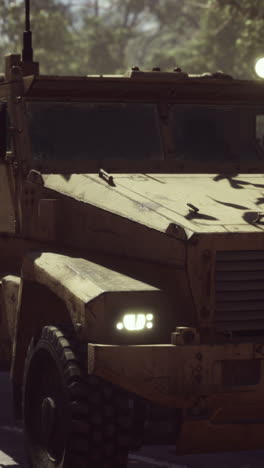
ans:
x=109 y=36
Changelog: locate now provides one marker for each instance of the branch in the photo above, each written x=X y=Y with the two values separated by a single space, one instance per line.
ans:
x=191 y=19
x=222 y=26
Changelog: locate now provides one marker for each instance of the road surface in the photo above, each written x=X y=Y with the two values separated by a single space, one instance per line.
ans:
x=12 y=450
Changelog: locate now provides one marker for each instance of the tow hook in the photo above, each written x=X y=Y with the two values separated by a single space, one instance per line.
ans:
x=185 y=336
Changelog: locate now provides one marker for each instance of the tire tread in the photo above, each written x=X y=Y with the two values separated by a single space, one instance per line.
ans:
x=88 y=396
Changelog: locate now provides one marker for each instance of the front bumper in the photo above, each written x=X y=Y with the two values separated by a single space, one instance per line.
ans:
x=219 y=387
x=177 y=375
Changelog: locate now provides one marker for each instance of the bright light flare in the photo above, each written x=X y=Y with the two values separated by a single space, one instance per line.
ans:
x=136 y=322
x=259 y=67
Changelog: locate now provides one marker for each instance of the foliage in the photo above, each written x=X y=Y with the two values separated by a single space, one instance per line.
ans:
x=52 y=26
x=108 y=36
x=230 y=37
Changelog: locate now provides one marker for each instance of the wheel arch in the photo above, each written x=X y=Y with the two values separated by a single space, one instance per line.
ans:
x=59 y=290
x=38 y=306
x=42 y=300
x=51 y=293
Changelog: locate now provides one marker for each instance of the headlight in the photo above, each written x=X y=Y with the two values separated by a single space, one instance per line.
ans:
x=136 y=322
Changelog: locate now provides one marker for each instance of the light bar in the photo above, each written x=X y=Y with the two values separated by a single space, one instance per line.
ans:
x=136 y=322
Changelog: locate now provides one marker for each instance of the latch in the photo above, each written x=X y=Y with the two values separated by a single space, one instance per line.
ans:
x=192 y=208
x=107 y=177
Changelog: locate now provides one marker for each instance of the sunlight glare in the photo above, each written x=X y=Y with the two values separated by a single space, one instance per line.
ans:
x=259 y=67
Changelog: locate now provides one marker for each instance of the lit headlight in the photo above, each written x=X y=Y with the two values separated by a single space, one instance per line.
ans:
x=134 y=322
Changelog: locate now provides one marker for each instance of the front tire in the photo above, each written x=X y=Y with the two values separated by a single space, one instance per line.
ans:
x=71 y=419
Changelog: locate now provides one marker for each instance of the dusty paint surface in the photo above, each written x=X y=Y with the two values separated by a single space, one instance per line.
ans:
x=223 y=201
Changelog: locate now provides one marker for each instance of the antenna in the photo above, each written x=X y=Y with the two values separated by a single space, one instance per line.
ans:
x=27 y=53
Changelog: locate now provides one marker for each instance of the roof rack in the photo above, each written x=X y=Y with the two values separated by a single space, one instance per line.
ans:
x=219 y=75
x=176 y=74
x=155 y=74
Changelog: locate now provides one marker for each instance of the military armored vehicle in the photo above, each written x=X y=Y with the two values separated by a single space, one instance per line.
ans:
x=132 y=259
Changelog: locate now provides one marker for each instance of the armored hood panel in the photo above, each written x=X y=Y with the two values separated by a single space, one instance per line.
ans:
x=197 y=202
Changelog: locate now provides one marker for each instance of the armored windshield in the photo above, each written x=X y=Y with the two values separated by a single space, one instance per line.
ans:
x=226 y=133
x=68 y=131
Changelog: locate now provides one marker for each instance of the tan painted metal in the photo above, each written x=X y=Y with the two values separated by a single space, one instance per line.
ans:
x=172 y=374
x=205 y=436
x=160 y=199
x=217 y=417
x=7 y=212
x=84 y=242
x=10 y=291
x=76 y=281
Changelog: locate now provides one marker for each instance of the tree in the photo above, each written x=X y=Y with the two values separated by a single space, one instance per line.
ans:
x=230 y=38
x=204 y=35
x=51 y=23
x=174 y=32
x=106 y=31
x=109 y=36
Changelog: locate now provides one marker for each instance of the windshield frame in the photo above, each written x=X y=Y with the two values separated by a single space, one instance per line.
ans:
x=164 y=95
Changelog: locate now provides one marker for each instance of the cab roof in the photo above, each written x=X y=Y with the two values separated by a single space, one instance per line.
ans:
x=147 y=86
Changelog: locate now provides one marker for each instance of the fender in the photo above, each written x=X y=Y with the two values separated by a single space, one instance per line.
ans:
x=58 y=289
x=85 y=288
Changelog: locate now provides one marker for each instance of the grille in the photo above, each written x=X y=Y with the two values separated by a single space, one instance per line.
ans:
x=239 y=290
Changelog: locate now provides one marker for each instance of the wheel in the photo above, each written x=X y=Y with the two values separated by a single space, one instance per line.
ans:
x=71 y=420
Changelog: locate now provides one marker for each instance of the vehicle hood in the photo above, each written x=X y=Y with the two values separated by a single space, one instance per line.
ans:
x=217 y=202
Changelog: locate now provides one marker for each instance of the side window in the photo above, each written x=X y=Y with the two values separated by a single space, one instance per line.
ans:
x=3 y=129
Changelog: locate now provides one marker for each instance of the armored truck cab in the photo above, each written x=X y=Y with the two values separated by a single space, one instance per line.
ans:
x=132 y=259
